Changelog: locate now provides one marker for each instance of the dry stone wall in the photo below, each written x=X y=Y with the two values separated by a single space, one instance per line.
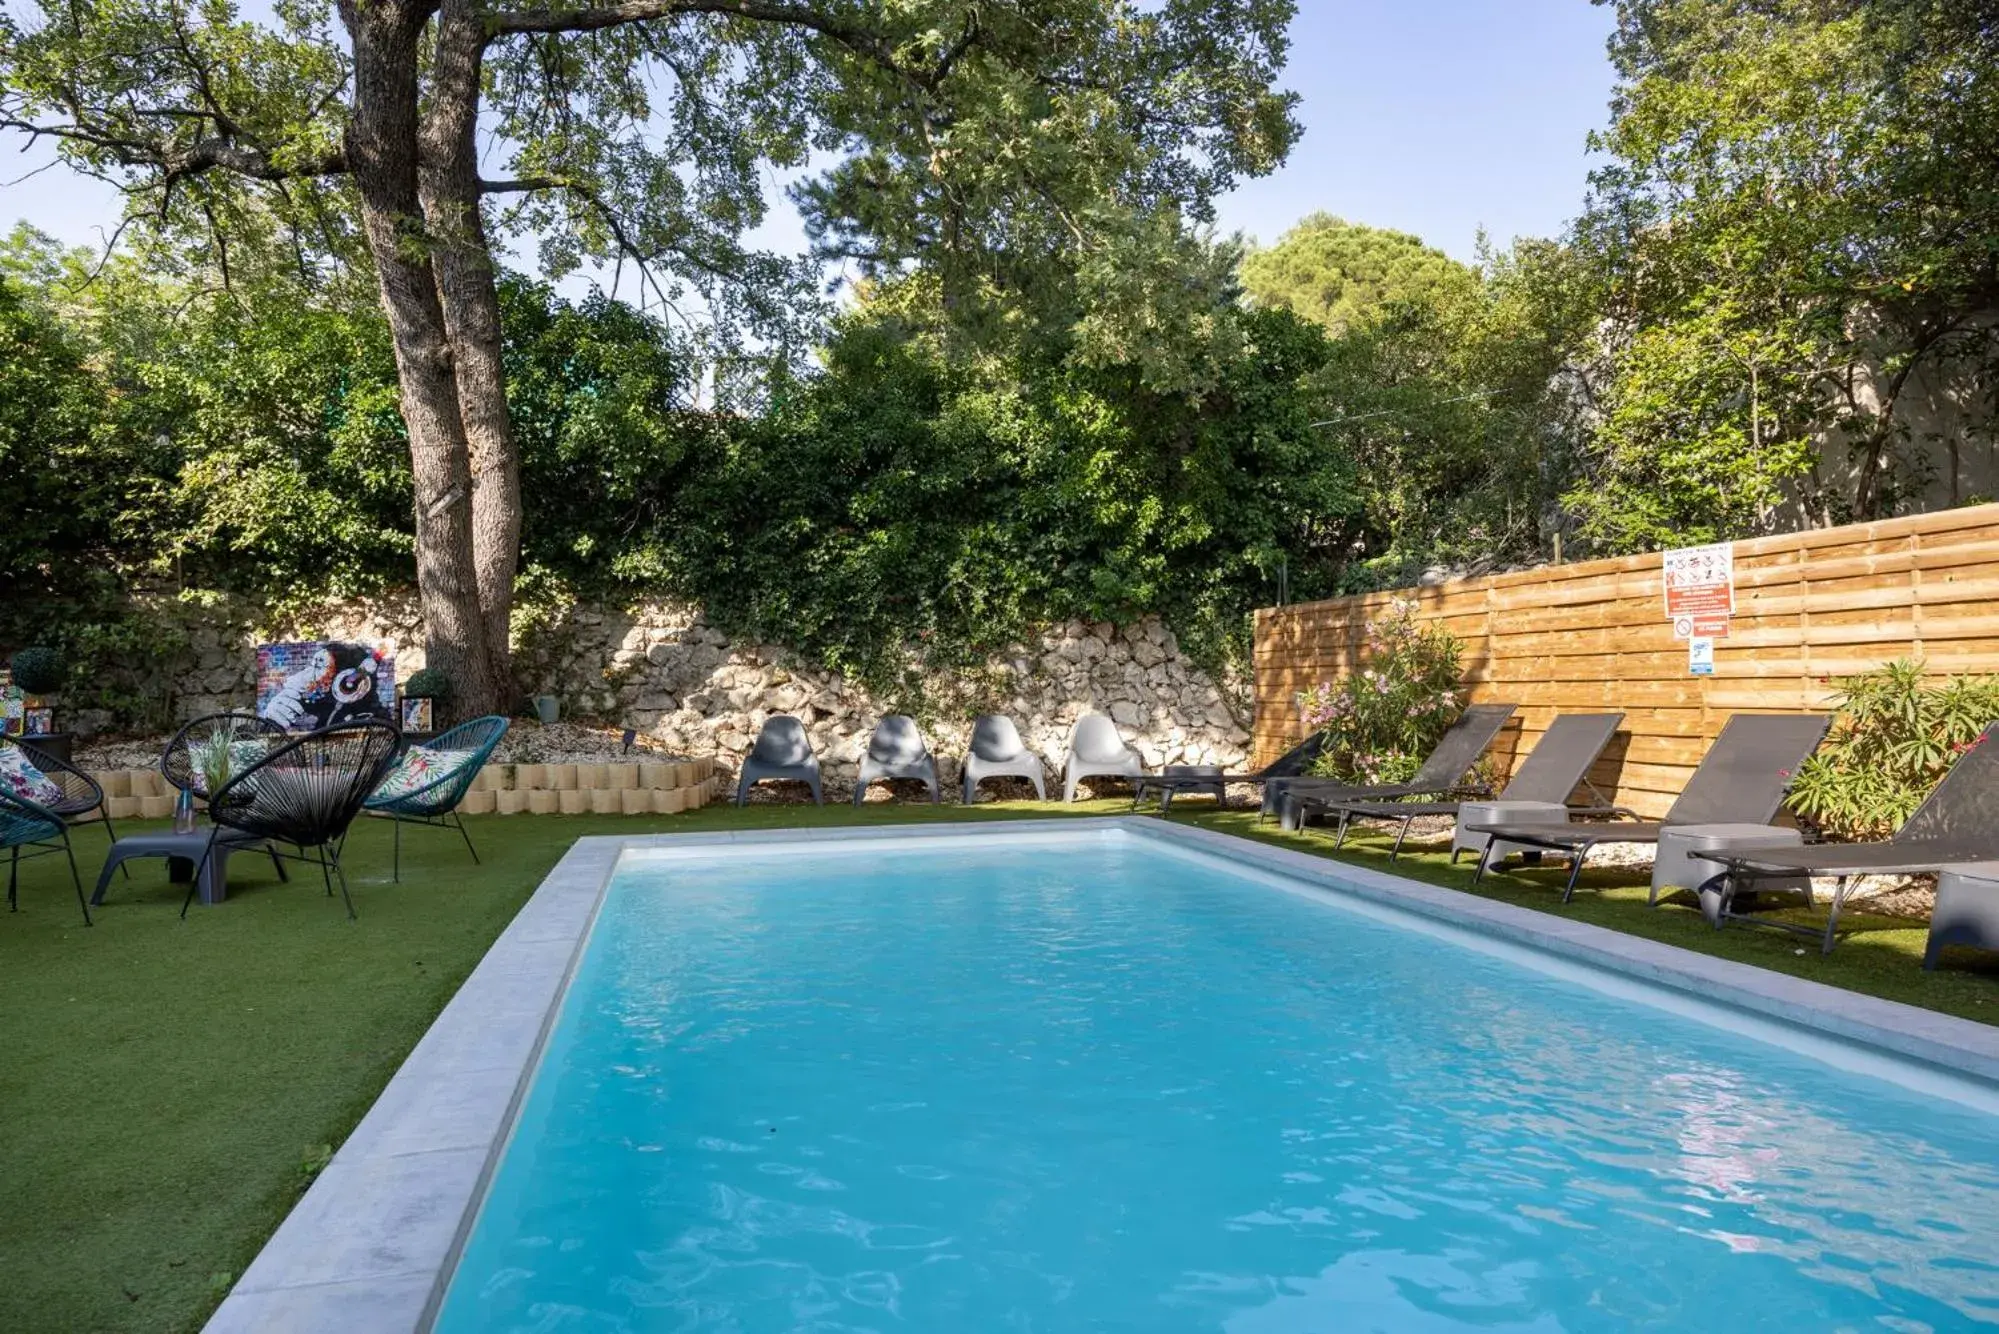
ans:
x=660 y=667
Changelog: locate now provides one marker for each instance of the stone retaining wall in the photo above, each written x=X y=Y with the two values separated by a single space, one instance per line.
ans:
x=660 y=667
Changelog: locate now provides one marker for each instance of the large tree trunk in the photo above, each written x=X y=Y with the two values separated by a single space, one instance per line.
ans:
x=462 y=260
x=382 y=153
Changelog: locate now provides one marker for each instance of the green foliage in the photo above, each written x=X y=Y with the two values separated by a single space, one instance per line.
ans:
x=1381 y=720
x=916 y=494
x=1795 y=225
x=906 y=499
x=38 y=670
x=1340 y=274
x=1453 y=393
x=428 y=683
x=1897 y=734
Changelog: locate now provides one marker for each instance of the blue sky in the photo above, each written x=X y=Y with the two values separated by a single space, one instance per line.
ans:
x=1435 y=117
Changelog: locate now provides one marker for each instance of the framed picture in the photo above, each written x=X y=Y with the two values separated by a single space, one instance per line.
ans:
x=13 y=705
x=40 y=722
x=416 y=715
x=307 y=686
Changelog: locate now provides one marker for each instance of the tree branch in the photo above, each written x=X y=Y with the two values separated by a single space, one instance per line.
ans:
x=200 y=156
x=854 y=36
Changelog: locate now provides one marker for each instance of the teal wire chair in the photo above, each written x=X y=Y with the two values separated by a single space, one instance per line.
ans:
x=430 y=795
x=28 y=824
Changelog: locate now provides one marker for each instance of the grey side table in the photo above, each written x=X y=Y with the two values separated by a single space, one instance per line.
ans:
x=1967 y=911
x=1674 y=865
x=1500 y=812
x=183 y=853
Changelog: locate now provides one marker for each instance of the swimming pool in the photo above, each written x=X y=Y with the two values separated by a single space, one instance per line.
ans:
x=1093 y=1080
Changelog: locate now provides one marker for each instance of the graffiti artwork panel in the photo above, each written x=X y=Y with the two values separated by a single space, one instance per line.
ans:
x=304 y=687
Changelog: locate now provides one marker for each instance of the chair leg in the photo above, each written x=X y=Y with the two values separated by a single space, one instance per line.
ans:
x=70 y=853
x=1484 y=859
x=194 y=882
x=13 y=879
x=278 y=864
x=466 y=834
x=397 y=856
x=1576 y=858
x=1401 y=834
x=104 y=818
x=1832 y=919
x=1340 y=840
x=347 y=898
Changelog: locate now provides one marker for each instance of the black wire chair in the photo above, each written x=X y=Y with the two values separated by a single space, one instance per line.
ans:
x=305 y=793
x=428 y=781
x=248 y=738
x=29 y=824
x=81 y=796
x=189 y=760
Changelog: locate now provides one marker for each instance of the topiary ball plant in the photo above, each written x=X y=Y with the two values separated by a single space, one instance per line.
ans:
x=430 y=684
x=38 y=670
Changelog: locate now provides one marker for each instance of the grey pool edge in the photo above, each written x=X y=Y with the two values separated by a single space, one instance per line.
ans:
x=371 y=1244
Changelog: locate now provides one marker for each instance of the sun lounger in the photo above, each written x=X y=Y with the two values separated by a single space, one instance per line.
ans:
x=1541 y=786
x=1442 y=774
x=1741 y=779
x=1957 y=825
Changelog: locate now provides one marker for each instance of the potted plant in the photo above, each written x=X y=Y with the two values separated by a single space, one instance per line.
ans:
x=38 y=672
x=425 y=696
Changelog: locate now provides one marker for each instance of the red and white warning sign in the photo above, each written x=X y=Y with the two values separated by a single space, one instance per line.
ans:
x=1700 y=582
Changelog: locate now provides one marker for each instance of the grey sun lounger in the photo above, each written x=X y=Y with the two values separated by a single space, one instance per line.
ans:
x=1097 y=751
x=1559 y=764
x=782 y=751
x=1293 y=763
x=1957 y=825
x=1741 y=780
x=998 y=752
x=896 y=750
x=1442 y=773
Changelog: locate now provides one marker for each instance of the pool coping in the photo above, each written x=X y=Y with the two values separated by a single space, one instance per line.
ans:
x=372 y=1243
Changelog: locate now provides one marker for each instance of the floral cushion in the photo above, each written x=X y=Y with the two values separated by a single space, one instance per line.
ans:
x=419 y=768
x=19 y=777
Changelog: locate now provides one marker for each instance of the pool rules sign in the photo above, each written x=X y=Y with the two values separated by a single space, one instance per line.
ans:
x=1700 y=597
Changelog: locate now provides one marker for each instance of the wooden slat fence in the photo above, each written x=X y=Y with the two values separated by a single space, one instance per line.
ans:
x=1593 y=636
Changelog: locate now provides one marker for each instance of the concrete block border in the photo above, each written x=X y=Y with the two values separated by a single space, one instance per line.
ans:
x=373 y=1243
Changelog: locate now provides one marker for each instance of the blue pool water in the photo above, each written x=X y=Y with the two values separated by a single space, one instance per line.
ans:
x=1094 y=1084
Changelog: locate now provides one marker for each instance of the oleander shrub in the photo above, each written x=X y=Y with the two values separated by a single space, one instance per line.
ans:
x=1896 y=734
x=1381 y=720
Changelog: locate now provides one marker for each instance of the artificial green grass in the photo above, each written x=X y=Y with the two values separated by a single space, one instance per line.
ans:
x=169 y=1086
